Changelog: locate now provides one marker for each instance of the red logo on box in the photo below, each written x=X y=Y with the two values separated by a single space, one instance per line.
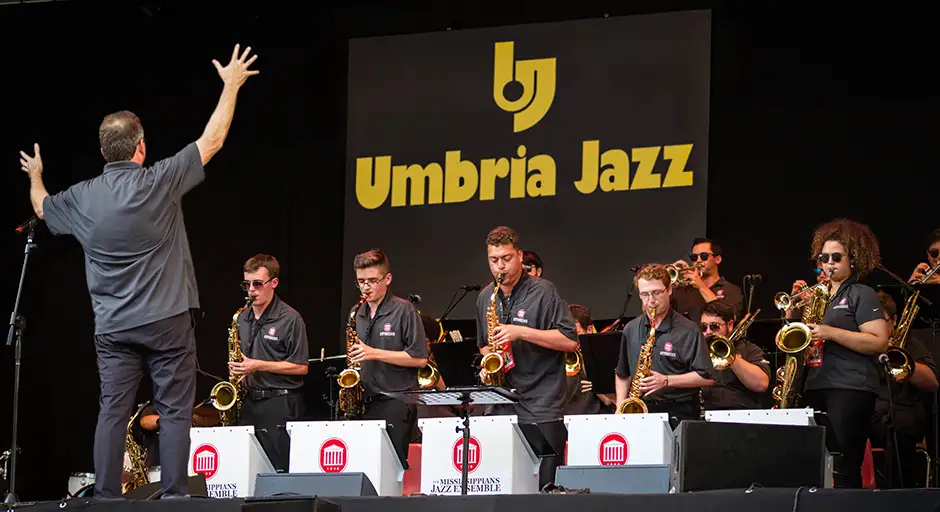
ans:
x=206 y=461
x=333 y=455
x=613 y=450
x=474 y=455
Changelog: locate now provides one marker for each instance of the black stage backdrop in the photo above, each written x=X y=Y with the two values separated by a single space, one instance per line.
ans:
x=595 y=129
x=801 y=98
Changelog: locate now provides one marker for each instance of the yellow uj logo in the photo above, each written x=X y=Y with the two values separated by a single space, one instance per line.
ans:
x=537 y=78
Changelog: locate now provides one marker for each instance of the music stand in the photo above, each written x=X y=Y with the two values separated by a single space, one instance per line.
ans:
x=460 y=398
x=455 y=362
x=601 y=355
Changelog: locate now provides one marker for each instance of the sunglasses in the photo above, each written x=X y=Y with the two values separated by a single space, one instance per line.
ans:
x=257 y=283
x=934 y=253
x=703 y=255
x=824 y=257
x=712 y=326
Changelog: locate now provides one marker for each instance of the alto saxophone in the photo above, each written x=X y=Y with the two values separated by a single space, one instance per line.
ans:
x=136 y=454
x=350 y=381
x=226 y=396
x=499 y=360
x=633 y=404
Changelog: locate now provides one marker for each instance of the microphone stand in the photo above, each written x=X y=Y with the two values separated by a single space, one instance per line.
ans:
x=453 y=304
x=892 y=434
x=905 y=285
x=17 y=326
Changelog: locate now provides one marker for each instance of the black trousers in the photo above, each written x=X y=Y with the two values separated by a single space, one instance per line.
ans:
x=269 y=416
x=165 y=349
x=554 y=431
x=400 y=419
x=849 y=413
x=913 y=466
x=677 y=411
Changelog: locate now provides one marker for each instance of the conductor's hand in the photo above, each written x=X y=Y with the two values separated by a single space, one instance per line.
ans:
x=31 y=165
x=360 y=352
x=244 y=368
x=236 y=72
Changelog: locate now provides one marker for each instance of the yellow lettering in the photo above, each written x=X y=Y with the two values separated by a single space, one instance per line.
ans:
x=678 y=156
x=372 y=187
x=590 y=151
x=417 y=175
x=616 y=175
x=490 y=170
x=460 y=178
x=517 y=175
x=646 y=160
x=542 y=183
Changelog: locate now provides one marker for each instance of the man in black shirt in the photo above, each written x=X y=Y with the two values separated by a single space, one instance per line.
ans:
x=679 y=363
x=910 y=398
x=275 y=353
x=704 y=283
x=129 y=222
x=393 y=348
x=933 y=259
x=740 y=385
x=536 y=325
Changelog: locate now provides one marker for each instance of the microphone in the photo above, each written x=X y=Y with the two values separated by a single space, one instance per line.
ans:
x=754 y=278
x=470 y=287
x=414 y=298
x=29 y=224
x=635 y=269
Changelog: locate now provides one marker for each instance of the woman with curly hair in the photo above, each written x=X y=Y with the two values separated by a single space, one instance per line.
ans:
x=842 y=375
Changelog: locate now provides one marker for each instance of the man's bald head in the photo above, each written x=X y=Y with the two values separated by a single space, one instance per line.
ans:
x=120 y=133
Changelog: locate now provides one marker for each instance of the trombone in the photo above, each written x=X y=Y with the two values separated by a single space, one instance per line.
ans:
x=721 y=349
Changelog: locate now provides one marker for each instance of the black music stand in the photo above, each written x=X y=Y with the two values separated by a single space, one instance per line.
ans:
x=455 y=361
x=601 y=355
x=460 y=399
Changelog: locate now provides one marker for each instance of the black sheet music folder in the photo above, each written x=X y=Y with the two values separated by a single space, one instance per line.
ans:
x=601 y=354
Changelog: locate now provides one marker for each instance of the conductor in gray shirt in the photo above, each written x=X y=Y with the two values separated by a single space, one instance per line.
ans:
x=129 y=222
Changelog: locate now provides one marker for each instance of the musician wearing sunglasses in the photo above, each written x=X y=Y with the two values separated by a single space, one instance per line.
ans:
x=394 y=346
x=273 y=340
x=532 y=263
x=933 y=259
x=911 y=399
x=741 y=384
x=842 y=375
x=702 y=283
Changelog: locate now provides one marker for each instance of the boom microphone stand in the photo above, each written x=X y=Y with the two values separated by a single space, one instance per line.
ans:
x=17 y=326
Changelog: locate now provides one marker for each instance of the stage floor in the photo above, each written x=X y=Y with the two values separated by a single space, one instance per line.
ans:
x=764 y=500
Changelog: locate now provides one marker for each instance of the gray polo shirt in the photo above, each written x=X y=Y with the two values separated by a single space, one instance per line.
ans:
x=729 y=392
x=689 y=302
x=539 y=375
x=396 y=326
x=843 y=368
x=679 y=348
x=279 y=335
x=129 y=222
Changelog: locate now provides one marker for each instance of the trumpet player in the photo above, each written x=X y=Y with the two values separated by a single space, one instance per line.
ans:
x=535 y=321
x=741 y=384
x=702 y=282
x=394 y=346
x=680 y=364
x=909 y=398
x=842 y=377
x=933 y=260
x=273 y=340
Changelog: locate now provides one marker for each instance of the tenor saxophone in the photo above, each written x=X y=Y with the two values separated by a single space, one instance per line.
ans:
x=499 y=360
x=633 y=404
x=350 y=381
x=136 y=454
x=227 y=396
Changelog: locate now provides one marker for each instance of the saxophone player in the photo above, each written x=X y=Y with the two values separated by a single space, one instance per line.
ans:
x=273 y=339
x=679 y=364
x=393 y=348
x=535 y=322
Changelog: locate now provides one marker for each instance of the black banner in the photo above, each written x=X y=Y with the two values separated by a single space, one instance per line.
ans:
x=589 y=138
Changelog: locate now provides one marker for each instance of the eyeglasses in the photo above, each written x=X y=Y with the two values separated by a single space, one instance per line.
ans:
x=934 y=253
x=824 y=257
x=654 y=294
x=713 y=326
x=703 y=255
x=372 y=281
x=257 y=283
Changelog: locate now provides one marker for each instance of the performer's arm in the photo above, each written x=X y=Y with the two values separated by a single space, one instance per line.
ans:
x=233 y=76
x=623 y=373
x=413 y=355
x=752 y=374
x=872 y=337
x=924 y=378
x=32 y=165
x=554 y=313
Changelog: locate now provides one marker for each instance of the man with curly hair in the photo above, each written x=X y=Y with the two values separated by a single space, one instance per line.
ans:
x=842 y=374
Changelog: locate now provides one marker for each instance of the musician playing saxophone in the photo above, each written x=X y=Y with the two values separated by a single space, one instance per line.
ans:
x=680 y=363
x=841 y=370
x=740 y=385
x=535 y=322
x=273 y=340
x=910 y=398
x=393 y=348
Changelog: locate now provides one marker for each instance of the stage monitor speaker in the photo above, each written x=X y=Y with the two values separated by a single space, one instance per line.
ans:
x=152 y=491
x=314 y=484
x=716 y=455
x=631 y=479
x=288 y=504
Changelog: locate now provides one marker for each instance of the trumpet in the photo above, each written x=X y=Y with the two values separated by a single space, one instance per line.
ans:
x=922 y=280
x=899 y=362
x=721 y=349
x=784 y=301
x=676 y=278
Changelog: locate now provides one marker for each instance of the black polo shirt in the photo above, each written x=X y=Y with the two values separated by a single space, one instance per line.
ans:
x=539 y=374
x=689 y=302
x=842 y=368
x=679 y=348
x=396 y=326
x=129 y=222
x=279 y=335
x=729 y=392
x=909 y=402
